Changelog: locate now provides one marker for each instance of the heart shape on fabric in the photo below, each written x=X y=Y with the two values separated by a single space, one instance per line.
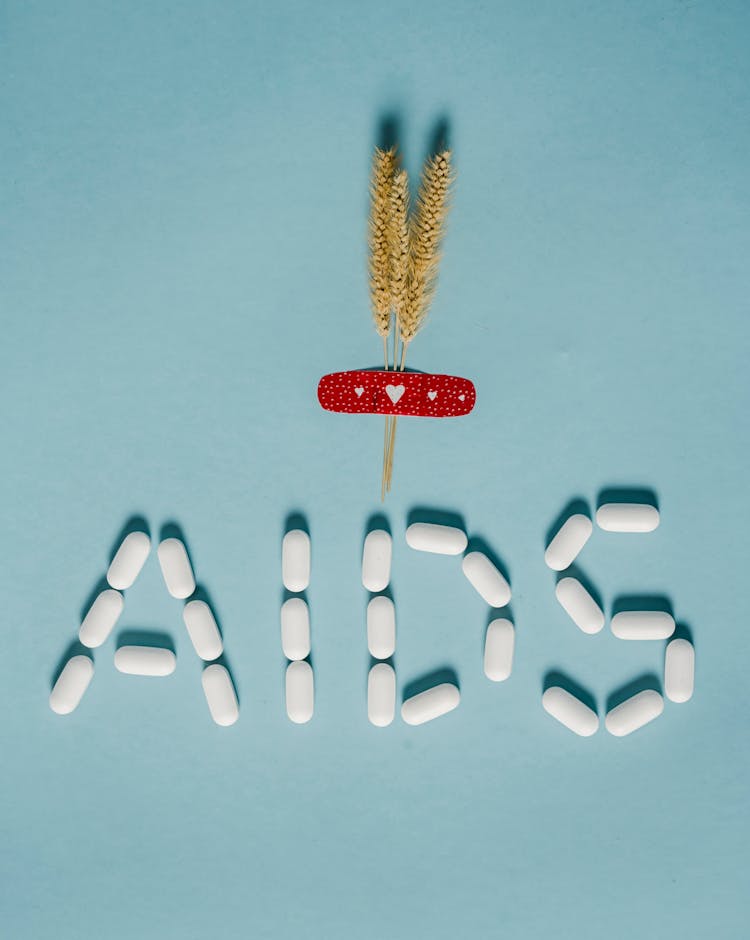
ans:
x=462 y=397
x=358 y=391
x=394 y=392
x=432 y=395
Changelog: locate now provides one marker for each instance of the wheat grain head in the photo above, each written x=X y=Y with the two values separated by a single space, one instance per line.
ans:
x=381 y=182
x=426 y=234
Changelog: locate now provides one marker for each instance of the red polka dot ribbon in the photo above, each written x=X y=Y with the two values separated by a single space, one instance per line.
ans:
x=416 y=394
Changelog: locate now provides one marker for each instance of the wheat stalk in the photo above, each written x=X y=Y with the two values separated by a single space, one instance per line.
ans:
x=425 y=237
x=399 y=279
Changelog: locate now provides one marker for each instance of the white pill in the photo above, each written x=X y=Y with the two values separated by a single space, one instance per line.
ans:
x=295 y=560
x=381 y=627
x=564 y=548
x=579 y=605
x=679 y=670
x=176 y=568
x=643 y=625
x=129 y=558
x=145 y=661
x=498 y=649
x=295 y=628
x=220 y=695
x=376 y=560
x=440 y=539
x=203 y=630
x=627 y=517
x=486 y=580
x=300 y=692
x=570 y=711
x=101 y=618
x=634 y=713
x=430 y=704
x=381 y=695
x=71 y=684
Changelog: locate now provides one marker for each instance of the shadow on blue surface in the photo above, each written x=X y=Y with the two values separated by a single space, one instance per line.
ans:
x=429 y=681
x=648 y=680
x=555 y=677
x=577 y=505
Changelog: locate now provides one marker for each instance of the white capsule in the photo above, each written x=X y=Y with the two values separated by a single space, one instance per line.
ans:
x=564 y=548
x=634 y=713
x=381 y=627
x=642 y=625
x=295 y=628
x=295 y=561
x=430 y=704
x=381 y=695
x=220 y=695
x=486 y=580
x=627 y=517
x=145 y=661
x=376 y=560
x=176 y=568
x=579 y=605
x=679 y=670
x=101 y=618
x=440 y=539
x=129 y=558
x=570 y=711
x=203 y=630
x=71 y=684
x=498 y=650
x=300 y=692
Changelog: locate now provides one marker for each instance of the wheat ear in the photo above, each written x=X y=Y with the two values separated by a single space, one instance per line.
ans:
x=381 y=182
x=427 y=230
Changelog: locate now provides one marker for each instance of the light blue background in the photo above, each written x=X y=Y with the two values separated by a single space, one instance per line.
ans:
x=184 y=200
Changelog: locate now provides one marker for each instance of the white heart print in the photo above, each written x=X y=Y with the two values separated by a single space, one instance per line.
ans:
x=432 y=395
x=359 y=391
x=394 y=392
x=461 y=397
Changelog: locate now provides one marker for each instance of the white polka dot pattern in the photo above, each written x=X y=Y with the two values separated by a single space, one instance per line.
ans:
x=418 y=394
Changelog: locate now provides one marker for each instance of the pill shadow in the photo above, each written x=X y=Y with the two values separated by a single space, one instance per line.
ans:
x=627 y=494
x=142 y=636
x=555 y=677
x=479 y=544
x=286 y=595
x=436 y=516
x=75 y=648
x=429 y=681
x=101 y=585
x=682 y=632
x=575 y=572
x=173 y=530
x=631 y=602
x=377 y=522
x=202 y=593
x=648 y=680
x=577 y=505
x=373 y=661
x=135 y=523
x=296 y=520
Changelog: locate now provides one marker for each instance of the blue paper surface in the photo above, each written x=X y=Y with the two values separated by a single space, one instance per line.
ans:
x=182 y=256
